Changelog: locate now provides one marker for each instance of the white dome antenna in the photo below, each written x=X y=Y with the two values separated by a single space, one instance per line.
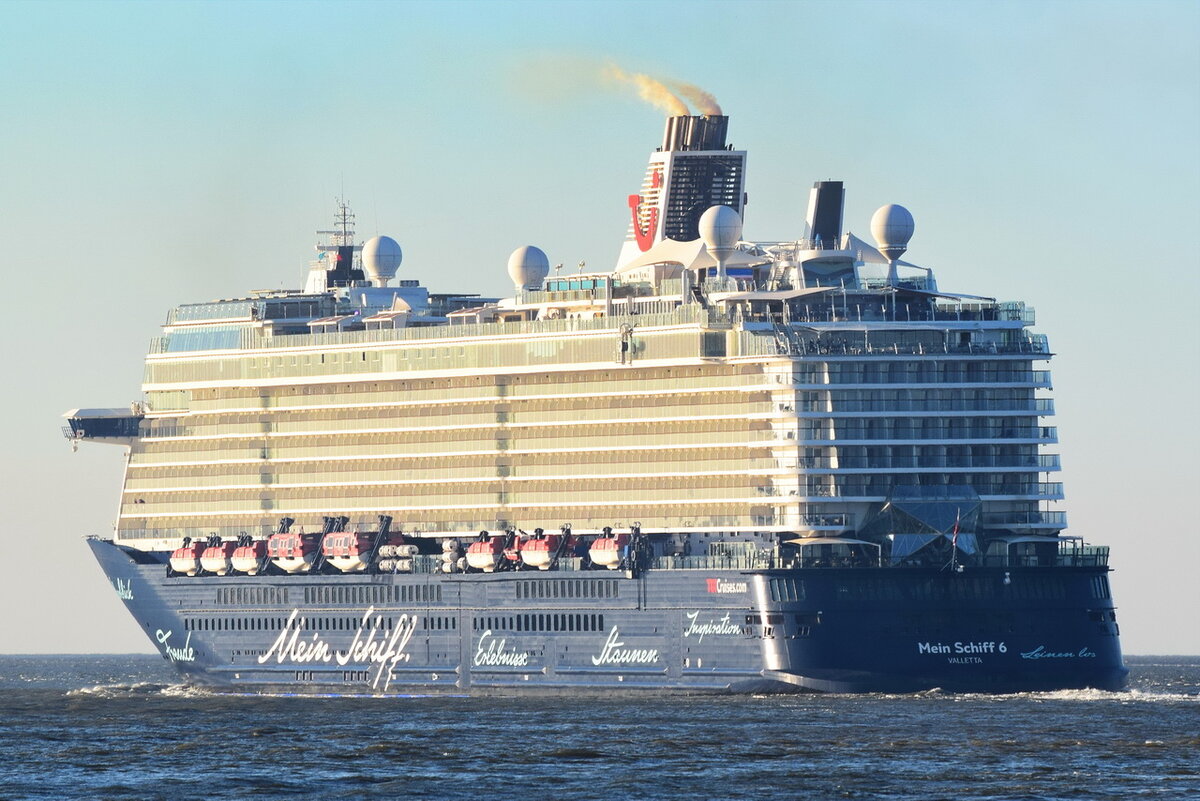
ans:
x=528 y=267
x=381 y=257
x=720 y=229
x=892 y=226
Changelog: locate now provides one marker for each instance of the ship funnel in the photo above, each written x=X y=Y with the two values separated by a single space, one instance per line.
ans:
x=695 y=133
x=825 y=210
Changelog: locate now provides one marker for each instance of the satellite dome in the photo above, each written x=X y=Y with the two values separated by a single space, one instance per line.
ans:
x=381 y=257
x=720 y=228
x=892 y=226
x=528 y=267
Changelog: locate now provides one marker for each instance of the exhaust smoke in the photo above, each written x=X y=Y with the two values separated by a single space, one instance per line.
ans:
x=652 y=90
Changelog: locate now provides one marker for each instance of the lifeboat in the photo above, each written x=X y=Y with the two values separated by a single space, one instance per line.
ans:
x=539 y=552
x=485 y=554
x=348 y=551
x=217 y=556
x=186 y=558
x=609 y=549
x=292 y=553
x=250 y=556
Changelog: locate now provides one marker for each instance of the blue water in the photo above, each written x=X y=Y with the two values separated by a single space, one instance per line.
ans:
x=121 y=727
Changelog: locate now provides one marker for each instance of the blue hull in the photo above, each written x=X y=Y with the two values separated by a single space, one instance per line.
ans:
x=825 y=630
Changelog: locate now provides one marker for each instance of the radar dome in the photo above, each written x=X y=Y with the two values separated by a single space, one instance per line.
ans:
x=528 y=267
x=892 y=226
x=720 y=228
x=381 y=257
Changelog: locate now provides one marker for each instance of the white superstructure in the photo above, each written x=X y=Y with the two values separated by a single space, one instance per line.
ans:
x=707 y=387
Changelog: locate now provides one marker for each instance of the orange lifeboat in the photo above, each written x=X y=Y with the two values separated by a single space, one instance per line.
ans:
x=539 y=552
x=217 y=556
x=292 y=553
x=249 y=556
x=609 y=549
x=348 y=551
x=186 y=558
x=485 y=554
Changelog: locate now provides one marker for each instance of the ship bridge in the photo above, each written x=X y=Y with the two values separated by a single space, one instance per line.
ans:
x=116 y=426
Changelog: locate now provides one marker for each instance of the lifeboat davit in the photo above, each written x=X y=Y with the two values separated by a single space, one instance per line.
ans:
x=512 y=553
x=348 y=551
x=539 y=552
x=608 y=550
x=217 y=557
x=186 y=558
x=485 y=554
x=293 y=553
x=250 y=556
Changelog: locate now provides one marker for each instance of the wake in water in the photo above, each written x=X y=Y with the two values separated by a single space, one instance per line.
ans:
x=1084 y=696
x=1140 y=696
x=140 y=689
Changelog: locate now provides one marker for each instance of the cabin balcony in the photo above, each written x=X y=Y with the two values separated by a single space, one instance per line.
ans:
x=827 y=522
x=1025 y=521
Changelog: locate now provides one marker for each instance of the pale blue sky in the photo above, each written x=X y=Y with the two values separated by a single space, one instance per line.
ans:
x=157 y=153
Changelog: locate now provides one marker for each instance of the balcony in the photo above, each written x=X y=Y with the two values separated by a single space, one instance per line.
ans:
x=817 y=408
x=879 y=490
x=913 y=378
x=1036 y=435
x=1021 y=521
x=1047 y=462
x=1069 y=554
x=826 y=522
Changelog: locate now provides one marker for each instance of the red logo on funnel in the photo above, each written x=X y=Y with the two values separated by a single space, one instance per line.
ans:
x=644 y=238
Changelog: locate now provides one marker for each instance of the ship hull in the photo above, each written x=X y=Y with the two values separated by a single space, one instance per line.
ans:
x=692 y=631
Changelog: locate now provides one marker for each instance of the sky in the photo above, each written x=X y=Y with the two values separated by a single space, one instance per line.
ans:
x=159 y=153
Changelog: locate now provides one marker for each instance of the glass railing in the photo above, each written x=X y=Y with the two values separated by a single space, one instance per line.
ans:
x=760 y=561
x=1036 y=345
x=812 y=380
x=527 y=296
x=1038 y=463
x=821 y=407
x=1040 y=434
x=815 y=521
x=1048 y=490
x=1055 y=520
x=1069 y=554
x=690 y=314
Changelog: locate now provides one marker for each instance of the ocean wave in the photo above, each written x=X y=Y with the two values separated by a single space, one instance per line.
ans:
x=137 y=689
x=1089 y=695
x=1132 y=696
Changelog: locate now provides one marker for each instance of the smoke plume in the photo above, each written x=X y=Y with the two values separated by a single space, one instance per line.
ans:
x=558 y=78
x=650 y=89
x=702 y=100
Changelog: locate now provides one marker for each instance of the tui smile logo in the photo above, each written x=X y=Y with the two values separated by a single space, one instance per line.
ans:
x=645 y=236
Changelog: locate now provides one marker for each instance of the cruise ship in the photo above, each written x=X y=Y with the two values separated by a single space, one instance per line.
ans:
x=722 y=465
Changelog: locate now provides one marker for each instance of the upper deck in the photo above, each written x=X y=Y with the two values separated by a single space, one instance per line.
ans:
x=712 y=387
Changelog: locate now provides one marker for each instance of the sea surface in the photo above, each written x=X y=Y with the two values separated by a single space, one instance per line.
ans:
x=122 y=727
